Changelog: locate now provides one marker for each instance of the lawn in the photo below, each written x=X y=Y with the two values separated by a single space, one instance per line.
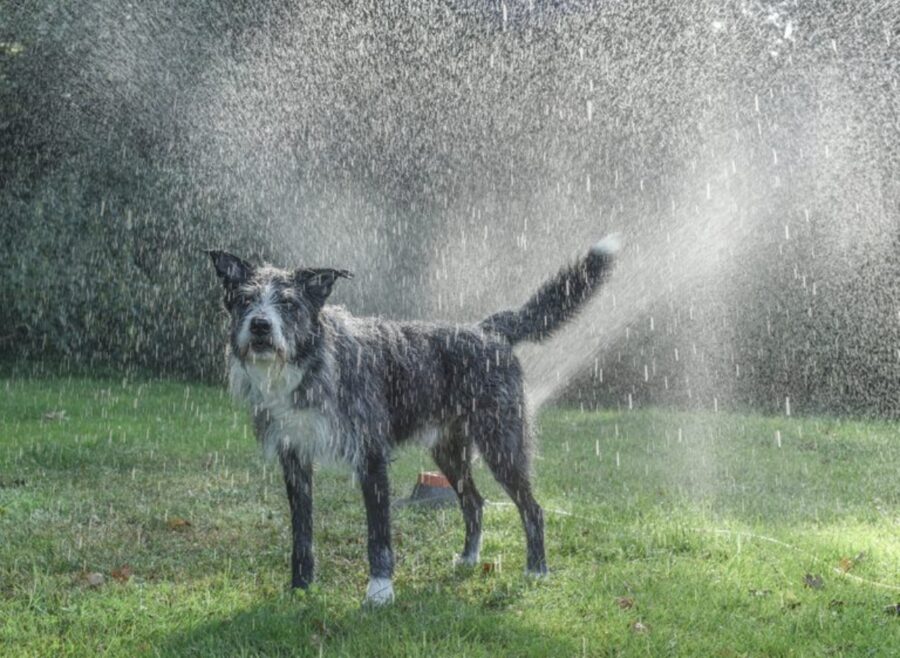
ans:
x=137 y=518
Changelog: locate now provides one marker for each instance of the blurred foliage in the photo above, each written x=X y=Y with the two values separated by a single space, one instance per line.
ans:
x=102 y=232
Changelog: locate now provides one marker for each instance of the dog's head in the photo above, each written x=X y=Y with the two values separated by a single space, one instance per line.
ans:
x=274 y=313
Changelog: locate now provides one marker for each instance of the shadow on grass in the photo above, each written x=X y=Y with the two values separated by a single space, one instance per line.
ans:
x=427 y=622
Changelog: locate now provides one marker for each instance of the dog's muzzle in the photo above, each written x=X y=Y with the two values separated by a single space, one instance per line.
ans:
x=261 y=342
x=260 y=335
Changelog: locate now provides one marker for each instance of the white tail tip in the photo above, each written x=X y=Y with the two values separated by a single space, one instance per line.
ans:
x=609 y=245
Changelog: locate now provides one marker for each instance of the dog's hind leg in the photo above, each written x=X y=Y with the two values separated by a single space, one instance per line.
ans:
x=373 y=480
x=453 y=456
x=502 y=440
x=298 y=477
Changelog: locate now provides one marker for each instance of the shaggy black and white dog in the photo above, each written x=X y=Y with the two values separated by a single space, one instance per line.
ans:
x=323 y=384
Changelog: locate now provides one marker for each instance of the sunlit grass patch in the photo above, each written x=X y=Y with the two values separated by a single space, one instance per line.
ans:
x=668 y=533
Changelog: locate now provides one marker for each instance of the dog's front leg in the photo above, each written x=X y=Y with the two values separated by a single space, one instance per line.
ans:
x=298 y=477
x=374 y=481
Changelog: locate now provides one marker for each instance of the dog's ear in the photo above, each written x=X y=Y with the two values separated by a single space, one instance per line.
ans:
x=317 y=282
x=232 y=270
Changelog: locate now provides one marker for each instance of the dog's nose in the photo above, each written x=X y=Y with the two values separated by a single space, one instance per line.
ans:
x=260 y=327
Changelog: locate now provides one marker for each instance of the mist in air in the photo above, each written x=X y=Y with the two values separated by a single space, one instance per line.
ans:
x=453 y=156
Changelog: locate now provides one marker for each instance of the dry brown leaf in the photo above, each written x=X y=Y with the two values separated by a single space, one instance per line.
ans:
x=625 y=602
x=845 y=564
x=177 y=523
x=487 y=567
x=122 y=574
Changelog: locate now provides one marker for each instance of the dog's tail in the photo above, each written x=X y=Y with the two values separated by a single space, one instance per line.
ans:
x=559 y=299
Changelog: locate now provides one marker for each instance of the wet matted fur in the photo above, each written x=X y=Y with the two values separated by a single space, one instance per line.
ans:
x=323 y=384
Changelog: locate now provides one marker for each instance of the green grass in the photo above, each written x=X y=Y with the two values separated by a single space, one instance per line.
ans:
x=701 y=520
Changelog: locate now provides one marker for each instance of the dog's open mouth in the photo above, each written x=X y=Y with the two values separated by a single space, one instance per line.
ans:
x=259 y=347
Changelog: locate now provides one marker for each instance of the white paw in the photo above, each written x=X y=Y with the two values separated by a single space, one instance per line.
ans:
x=380 y=591
x=609 y=245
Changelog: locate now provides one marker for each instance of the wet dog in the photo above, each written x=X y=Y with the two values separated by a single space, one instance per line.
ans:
x=323 y=384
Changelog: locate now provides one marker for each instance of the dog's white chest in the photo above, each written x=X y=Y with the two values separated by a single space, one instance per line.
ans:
x=287 y=426
x=307 y=431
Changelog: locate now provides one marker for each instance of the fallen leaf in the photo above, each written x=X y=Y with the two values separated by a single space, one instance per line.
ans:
x=122 y=574
x=487 y=567
x=813 y=581
x=640 y=627
x=625 y=602
x=177 y=523
x=94 y=579
x=845 y=564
